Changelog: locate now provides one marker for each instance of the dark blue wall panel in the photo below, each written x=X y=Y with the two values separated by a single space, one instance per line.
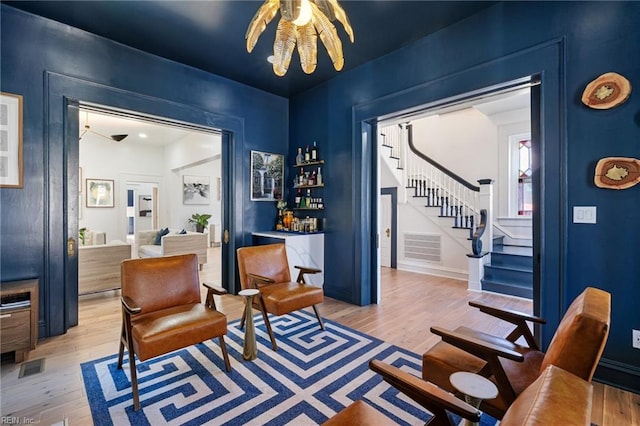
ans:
x=591 y=38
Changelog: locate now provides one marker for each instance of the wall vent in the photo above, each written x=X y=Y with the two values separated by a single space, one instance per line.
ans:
x=425 y=247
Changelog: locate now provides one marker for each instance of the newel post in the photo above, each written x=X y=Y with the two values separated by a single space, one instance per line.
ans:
x=485 y=202
x=478 y=259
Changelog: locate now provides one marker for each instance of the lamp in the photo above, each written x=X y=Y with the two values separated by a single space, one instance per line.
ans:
x=301 y=22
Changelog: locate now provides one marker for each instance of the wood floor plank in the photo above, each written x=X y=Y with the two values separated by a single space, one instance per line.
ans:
x=411 y=304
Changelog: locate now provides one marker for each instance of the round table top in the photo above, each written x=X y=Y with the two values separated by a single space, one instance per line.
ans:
x=249 y=292
x=474 y=385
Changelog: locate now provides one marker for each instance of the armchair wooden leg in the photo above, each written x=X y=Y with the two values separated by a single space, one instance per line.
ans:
x=134 y=379
x=225 y=355
x=265 y=316
x=315 y=309
x=121 y=350
x=242 y=322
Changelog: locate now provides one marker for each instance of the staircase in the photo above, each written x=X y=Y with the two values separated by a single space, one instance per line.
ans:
x=510 y=270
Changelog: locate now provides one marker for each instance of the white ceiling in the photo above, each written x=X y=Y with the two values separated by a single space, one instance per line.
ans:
x=108 y=124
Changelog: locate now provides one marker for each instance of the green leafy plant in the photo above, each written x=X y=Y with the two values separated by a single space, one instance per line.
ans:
x=81 y=234
x=201 y=221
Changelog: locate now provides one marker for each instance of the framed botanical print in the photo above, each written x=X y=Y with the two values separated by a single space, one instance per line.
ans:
x=267 y=176
x=11 y=161
x=100 y=193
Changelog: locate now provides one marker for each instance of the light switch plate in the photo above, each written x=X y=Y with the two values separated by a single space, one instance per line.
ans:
x=584 y=214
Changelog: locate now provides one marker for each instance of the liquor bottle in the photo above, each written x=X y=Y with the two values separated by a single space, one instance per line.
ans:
x=301 y=177
x=314 y=152
x=319 y=177
x=312 y=178
x=307 y=203
x=299 y=157
x=298 y=197
x=307 y=155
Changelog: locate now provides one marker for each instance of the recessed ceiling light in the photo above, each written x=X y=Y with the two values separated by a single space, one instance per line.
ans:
x=142 y=135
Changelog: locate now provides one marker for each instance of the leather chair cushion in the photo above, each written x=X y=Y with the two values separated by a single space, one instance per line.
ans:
x=556 y=397
x=443 y=359
x=269 y=260
x=581 y=335
x=358 y=413
x=173 y=328
x=282 y=298
x=159 y=283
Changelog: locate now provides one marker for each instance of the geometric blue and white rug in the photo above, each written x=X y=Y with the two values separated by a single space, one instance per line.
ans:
x=313 y=375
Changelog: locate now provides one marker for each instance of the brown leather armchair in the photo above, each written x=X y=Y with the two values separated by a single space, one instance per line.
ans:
x=162 y=310
x=576 y=347
x=266 y=268
x=556 y=397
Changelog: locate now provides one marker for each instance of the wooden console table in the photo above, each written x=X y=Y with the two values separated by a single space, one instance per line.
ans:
x=19 y=317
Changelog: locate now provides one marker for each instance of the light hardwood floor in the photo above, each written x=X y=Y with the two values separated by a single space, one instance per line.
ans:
x=411 y=303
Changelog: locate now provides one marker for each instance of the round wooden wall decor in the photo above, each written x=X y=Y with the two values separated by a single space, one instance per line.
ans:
x=617 y=173
x=607 y=91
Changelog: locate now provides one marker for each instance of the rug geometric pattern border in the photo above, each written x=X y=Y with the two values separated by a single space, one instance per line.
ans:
x=313 y=375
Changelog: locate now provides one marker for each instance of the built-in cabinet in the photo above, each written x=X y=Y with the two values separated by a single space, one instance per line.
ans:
x=18 y=317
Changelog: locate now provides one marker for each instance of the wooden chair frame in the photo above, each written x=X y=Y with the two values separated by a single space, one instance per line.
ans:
x=130 y=308
x=258 y=282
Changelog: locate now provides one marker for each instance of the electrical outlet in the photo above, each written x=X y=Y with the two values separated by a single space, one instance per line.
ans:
x=636 y=338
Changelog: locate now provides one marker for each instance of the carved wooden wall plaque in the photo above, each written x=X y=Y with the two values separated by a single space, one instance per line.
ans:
x=617 y=173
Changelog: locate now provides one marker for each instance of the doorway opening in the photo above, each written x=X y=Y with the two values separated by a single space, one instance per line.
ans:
x=472 y=137
x=151 y=164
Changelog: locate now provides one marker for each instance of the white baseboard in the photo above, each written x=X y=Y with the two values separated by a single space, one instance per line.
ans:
x=427 y=269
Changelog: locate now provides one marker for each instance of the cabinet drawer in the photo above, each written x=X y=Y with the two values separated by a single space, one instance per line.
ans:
x=15 y=328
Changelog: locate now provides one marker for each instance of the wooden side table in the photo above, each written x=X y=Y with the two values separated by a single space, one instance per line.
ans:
x=474 y=387
x=19 y=317
x=249 y=348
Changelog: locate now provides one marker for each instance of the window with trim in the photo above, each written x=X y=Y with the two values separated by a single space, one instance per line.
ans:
x=525 y=197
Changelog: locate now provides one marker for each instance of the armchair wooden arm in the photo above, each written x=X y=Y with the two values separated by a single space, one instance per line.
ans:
x=131 y=308
x=305 y=270
x=519 y=319
x=212 y=290
x=431 y=397
x=489 y=352
x=216 y=289
x=256 y=280
x=476 y=346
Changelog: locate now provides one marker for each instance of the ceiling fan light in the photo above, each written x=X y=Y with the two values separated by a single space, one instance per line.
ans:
x=118 y=138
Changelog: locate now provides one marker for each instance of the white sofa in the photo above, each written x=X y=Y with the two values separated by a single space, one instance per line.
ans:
x=99 y=266
x=172 y=244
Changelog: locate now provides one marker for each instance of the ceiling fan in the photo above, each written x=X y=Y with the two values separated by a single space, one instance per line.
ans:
x=87 y=128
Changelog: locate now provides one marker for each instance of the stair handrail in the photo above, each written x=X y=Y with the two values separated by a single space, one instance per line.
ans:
x=437 y=165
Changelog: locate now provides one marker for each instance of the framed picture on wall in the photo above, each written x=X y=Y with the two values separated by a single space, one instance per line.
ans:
x=267 y=176
x=196 y=190
x=10 y=141
x=100 y=193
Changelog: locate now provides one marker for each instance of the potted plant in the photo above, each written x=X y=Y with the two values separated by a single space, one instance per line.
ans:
x=82 y=234
x=201 y=221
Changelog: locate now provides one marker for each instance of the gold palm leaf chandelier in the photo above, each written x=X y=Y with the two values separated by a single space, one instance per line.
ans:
x=301 y=22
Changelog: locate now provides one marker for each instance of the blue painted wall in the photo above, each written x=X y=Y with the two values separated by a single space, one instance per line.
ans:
x=45 y=62
x=590 y=39
x=585 y=40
